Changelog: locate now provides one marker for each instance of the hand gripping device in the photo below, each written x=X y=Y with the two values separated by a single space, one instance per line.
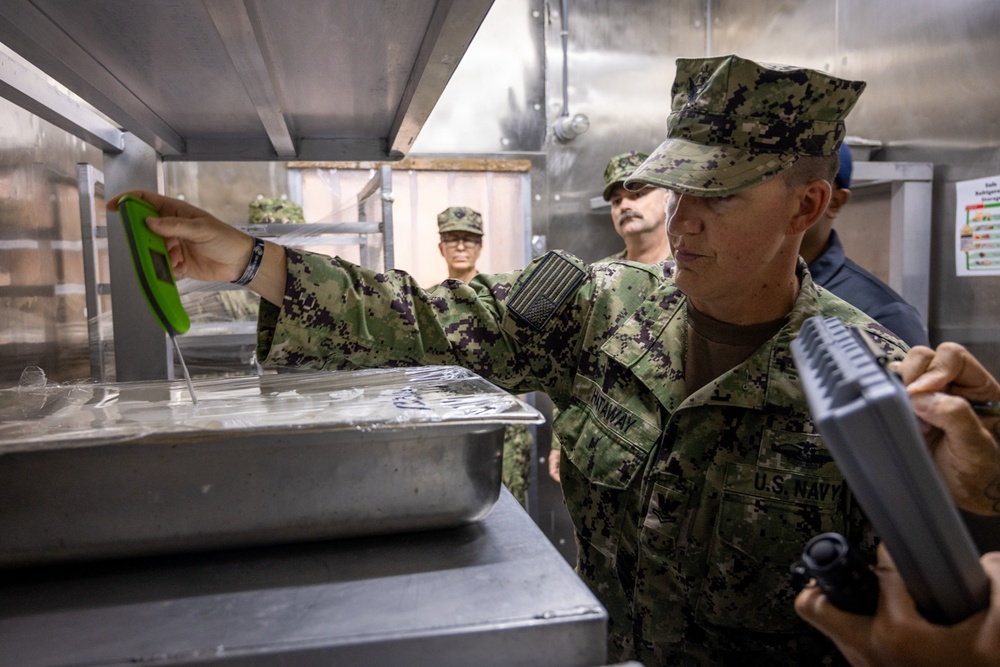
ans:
x=866 y=419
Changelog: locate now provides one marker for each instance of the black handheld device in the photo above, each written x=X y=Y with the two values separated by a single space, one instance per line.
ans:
x=866 y=419
x=840 y=571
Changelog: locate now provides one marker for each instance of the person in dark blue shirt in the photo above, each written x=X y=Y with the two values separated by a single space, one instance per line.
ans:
x=831 y=268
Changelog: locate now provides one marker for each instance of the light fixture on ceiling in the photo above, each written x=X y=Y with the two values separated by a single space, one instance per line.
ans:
x=567 y=128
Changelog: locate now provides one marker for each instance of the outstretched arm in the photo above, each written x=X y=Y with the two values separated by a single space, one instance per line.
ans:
x=204 y=248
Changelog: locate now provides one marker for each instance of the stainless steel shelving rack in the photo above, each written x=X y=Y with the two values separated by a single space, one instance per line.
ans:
x=234 y=80
x=233 y=346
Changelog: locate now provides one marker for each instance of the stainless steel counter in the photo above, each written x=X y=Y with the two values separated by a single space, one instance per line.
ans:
x=492 y=593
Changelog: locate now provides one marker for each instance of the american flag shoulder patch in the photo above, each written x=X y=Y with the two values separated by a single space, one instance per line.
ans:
x=541 y=293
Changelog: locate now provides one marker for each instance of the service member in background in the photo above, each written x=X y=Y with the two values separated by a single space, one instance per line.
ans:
x=461 y=232
x=690 y=465
x=966 y=451
x=639 y=218
x=830 y=268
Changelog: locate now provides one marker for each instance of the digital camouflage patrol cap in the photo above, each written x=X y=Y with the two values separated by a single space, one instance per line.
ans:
x=272 y=210
x=619 y=168
x=460 y=219
x=736 y=123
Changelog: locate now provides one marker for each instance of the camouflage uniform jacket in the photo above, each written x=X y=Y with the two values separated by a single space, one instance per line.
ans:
x=618 y=255
x=688 y=510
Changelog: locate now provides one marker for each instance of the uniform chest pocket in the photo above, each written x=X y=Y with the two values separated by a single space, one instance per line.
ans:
x=604 y=440
x=597 y=472
x=765 y=518
x=604 y=461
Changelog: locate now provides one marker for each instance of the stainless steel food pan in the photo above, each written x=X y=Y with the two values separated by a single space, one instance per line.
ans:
x=121 y=470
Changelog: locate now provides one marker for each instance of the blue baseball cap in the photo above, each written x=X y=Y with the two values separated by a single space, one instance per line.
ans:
x=843 y=178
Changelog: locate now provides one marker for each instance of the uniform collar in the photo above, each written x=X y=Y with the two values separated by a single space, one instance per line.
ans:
x=647 y=345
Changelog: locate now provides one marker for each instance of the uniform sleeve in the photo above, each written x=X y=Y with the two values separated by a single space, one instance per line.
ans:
x=520 y=330
x=903 y=320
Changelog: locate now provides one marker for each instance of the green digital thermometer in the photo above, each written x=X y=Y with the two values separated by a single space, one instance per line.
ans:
x=152 y=265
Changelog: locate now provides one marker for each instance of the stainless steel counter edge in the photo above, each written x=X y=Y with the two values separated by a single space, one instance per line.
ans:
x=492 y=593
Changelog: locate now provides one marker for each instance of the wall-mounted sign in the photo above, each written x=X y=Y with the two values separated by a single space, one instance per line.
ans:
x=977 y=227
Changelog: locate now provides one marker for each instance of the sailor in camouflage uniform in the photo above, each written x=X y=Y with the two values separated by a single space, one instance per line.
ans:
x=638 y=216
x=461 y=232
x=691 y=468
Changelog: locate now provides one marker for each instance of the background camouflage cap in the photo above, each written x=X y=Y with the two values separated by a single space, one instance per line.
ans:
x=736 y=123
x=270 y=210
x=460 y=219
x=619 y=168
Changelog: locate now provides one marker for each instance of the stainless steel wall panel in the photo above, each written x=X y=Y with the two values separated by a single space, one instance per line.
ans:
x=495 y=101
x=621 y=67
x=932 y=73
x=931 y=70
x=796 y=32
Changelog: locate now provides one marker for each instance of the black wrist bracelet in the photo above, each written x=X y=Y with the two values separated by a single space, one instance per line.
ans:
x=256 y=255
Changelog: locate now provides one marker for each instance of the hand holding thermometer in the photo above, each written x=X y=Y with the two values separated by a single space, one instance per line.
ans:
x=156 y=278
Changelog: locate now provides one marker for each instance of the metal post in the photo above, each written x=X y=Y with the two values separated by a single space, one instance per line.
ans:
x=142 y=350
x=88 y=178
x=387 y=201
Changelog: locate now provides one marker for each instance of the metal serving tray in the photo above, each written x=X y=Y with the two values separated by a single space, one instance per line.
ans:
x=115 y=470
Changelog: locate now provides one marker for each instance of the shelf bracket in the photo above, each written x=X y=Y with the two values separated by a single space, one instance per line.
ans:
x=245 y=38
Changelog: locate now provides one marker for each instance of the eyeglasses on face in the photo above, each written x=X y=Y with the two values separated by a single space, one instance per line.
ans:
x=452 y=240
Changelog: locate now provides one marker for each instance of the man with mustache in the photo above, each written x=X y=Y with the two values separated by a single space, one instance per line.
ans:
x=639 y=217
